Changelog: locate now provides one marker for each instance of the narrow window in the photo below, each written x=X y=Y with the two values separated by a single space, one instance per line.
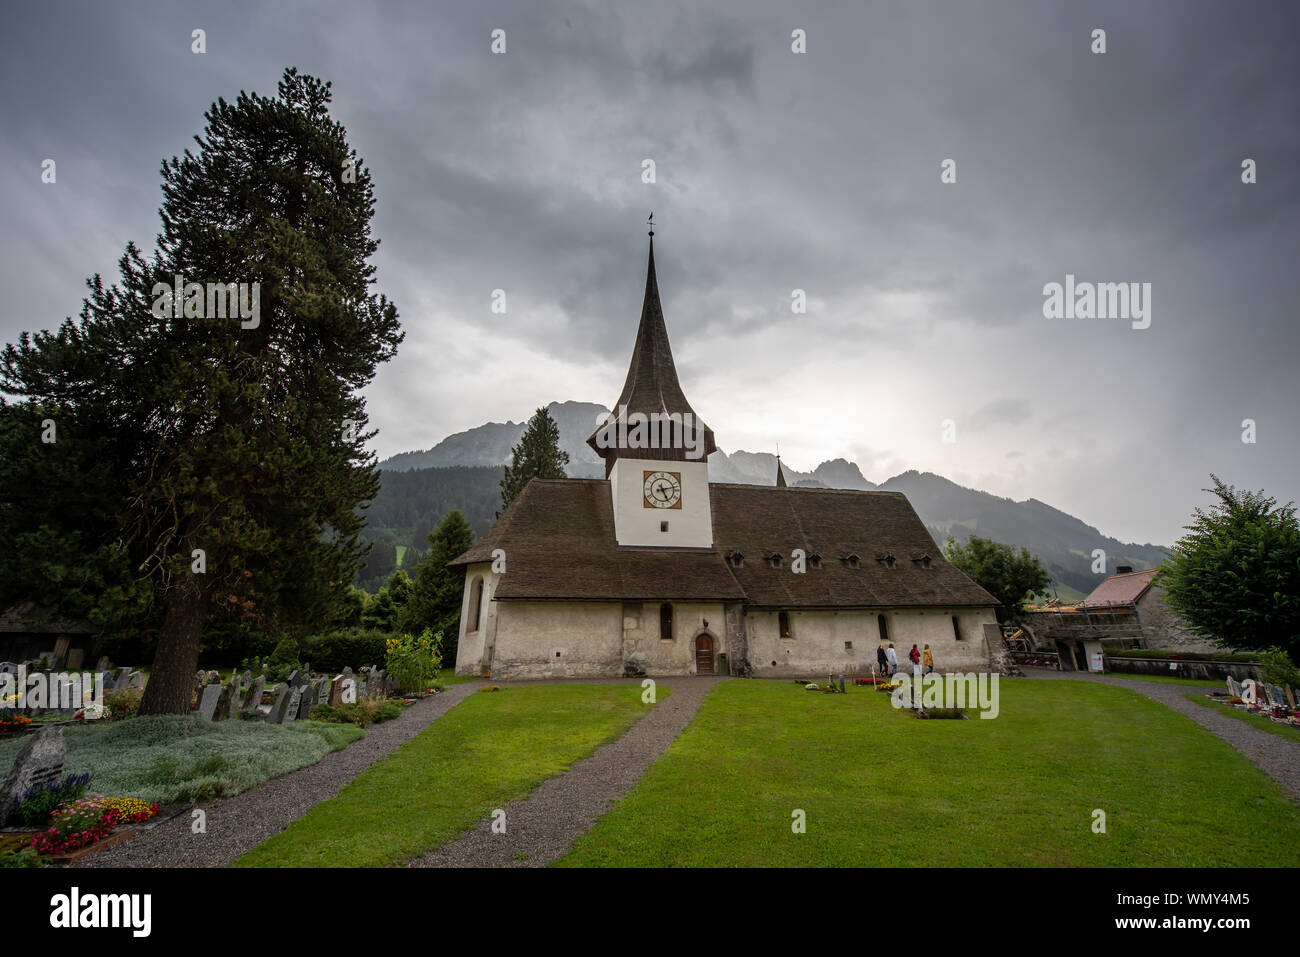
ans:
x=884 y=630
x=663 y=526
x=476 y=602
x=666 y=622
x=956 y=628
x=783 y=624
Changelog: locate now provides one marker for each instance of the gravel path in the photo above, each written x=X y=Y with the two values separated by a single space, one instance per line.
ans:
x=238 y=824
x=543 y=826
x=1276 y=756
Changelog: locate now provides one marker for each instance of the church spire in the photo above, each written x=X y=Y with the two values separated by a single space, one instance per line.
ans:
x=780 y=476
x=651 y=386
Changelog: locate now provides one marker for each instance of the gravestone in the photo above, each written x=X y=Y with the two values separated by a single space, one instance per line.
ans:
x=254 y=700
x=1234 y=689
x=294 y=678
x=278 y=706
x=1275 y=698
x=306 y=701
x=1290 y=697
x=322 y=689
x=336 y=691
x=136 y=681
x=208 y=701
x=234 y=696
x=40 y=762
x=223 y=702
x=122 y=679
x=295 y=703
x=103 y=664
x=75 y=659
x=378 y=686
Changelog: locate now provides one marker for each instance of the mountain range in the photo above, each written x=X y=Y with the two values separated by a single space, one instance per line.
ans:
x=462 y=471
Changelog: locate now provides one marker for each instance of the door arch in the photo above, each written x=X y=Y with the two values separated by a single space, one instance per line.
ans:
x=704 y=659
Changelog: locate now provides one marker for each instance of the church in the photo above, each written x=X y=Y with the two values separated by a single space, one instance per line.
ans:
x=654 y=570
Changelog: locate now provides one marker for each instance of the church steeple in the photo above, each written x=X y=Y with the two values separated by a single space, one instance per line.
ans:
x=780 y=476
x=651 y=386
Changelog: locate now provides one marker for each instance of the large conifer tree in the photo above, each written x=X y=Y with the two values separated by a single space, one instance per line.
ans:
x=241 y=442
x=436 y=596
x=537 y=455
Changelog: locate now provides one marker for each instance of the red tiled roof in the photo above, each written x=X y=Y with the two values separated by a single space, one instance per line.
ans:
x=1122 y=589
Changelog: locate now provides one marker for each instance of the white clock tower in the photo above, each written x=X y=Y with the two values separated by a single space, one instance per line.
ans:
x=655 y=448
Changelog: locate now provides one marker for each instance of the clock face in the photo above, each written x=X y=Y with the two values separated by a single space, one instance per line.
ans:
x=663 y=489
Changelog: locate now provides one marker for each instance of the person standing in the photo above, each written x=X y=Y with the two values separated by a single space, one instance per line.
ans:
x=915 y=657
x=927 y=659
x=881 y=661
x=891 y=656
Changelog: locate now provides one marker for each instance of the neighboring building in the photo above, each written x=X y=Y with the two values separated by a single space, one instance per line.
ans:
x=29 y=632
x=655 y=570
x=1127 y=610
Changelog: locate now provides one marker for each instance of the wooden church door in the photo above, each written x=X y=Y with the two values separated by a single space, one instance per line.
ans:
x=703 y=655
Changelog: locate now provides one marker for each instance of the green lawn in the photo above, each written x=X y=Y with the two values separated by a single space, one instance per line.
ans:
x=448 y=676
x=492 y=748
x=1264 y=724
x=1170 y=680
x=879 y=787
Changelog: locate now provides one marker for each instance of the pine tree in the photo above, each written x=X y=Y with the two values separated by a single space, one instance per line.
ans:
x=436 y=596
x=241 y=441
x=537 y=455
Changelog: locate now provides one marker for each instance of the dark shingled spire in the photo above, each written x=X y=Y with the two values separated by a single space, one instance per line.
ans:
x=780 y=476
x=651 y=385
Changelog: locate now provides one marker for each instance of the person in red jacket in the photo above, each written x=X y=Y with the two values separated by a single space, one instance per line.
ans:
x=915 y=656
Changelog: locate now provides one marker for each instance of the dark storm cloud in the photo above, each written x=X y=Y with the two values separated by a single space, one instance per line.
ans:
x=775 y=172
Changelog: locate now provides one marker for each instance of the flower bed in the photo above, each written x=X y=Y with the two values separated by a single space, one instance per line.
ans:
x=89 y=820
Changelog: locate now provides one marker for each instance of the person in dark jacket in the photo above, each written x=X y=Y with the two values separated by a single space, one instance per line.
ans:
x=915 y=656
x=882 y=661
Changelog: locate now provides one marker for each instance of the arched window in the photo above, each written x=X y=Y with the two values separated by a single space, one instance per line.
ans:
x=476 y=604
x=783 y=624
x=956 y=627
x=884 y=629
x=666 y=622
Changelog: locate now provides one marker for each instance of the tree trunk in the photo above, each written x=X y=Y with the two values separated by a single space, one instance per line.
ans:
x=171 y=681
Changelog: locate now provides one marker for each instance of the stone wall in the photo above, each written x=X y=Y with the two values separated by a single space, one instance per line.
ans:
x=1164 y=630
x=823 y=642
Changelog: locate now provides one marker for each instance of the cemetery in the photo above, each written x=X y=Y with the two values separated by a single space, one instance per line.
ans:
x=1275 y=702
x=81 y=771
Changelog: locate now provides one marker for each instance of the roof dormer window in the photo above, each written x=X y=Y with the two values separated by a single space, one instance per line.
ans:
x=887 y=559
x=924 y=561
x=736 y=560
x=851 y=560
x=774 y=560
x=814 y=560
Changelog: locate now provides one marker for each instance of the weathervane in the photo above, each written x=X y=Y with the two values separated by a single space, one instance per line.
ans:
x=651 y=222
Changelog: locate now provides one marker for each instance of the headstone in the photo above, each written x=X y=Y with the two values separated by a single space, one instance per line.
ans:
x=136 y=681
x=39 y=762
x=1234 y=689
x=9 y=667
x=295 y=703
x=208 y=701
x=1290 y=697
x=279 y=705
x=336 y=691
x=103 y=664
x=322 y=688
x=122 y=679
x=254 y=700
x=306 y=701
x=378 y=684
x=76 y=657
x=1275 y=698
x=294 y=678
x=223 y=702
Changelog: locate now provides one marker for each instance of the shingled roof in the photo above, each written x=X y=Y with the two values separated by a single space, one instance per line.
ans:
x=1122 y=589
x=651 y=385
x=873 y=551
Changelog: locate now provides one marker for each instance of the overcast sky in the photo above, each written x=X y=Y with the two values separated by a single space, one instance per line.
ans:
x=775 y=171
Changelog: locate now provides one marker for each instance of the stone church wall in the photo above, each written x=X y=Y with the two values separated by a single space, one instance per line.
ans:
x=558 y=639
x=835 y=642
